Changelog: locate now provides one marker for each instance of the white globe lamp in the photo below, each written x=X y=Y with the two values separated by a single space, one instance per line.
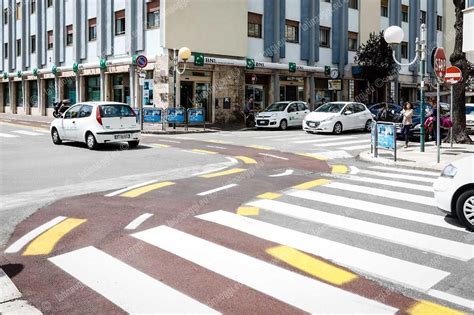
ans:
x=393 y=35
x=184 y=53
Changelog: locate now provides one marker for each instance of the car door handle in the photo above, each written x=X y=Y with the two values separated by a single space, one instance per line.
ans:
x=73 y=122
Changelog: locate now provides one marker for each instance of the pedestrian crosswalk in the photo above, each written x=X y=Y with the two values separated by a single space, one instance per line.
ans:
x=22 y=133
x=372 y=222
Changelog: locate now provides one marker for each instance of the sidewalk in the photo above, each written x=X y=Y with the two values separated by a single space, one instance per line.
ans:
x=412 y=157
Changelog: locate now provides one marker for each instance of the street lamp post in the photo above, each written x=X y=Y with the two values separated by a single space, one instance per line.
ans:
x=393 y=36
x=184 y=54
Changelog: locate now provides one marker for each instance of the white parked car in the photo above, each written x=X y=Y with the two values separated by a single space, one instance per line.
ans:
x=454 y=190
x=336 y=117
x=470 y=117
x=97 y=122
x=282 y=115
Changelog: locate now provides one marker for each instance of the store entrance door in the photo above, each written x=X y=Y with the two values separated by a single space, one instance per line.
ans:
x=121 y=88
x=258 y=93
x=186 y=94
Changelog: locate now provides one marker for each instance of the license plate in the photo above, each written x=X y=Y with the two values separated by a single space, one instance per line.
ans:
x=127 y=136
x=312 y=124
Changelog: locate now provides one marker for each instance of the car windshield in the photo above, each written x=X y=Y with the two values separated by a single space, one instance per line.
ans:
x=115 y=110
x=417 y=108
x=469 y=110
x=276 y=107
x=330 y=108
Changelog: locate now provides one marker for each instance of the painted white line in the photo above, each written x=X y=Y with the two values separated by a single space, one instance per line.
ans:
x=170 y=141
x=279 y=283
x=343 y=143
x=285 y=173
x=194 y=152
x=216 y=147
x=28 y=133
x=128 y=288
x=274 y=156
x=402 y=170
x=6 y=135
x=8 y=290
x=452 y=298
x=398 y=176
x=323 y=139
x=137 y=221
x=276 y=137
x=118 y=192
x=372 y=207
x=390 y=234
x=211 y=171
x=357 y=147
x=354 y=170
x=384 y=182
x=429 y=201
x=25 y=239
x=337 y=154
x=42 y=130
x=216 y=190
x=384 y=267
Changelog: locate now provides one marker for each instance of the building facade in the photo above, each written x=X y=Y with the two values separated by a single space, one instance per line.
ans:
x=269 y=49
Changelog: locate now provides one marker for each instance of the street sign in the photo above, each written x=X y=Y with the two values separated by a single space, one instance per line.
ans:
x=453 y=75
x=141 y=61
x=250 y=65
x=292 y=67
x=440 y=64
x=199 y=60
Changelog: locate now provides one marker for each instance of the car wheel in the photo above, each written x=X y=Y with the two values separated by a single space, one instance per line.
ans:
x=337 y=130
x=133 y=144
x=55 y=136
x=91 y=142
x=465 y=209
x=368 y=125
x=283 y=124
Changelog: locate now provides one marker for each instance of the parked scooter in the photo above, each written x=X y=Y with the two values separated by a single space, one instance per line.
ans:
x=60 y=107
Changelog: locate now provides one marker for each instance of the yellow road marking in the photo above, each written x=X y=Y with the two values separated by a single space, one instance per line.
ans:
x=44 y=244
x=428 y=308
x=248 y=211
x=223 y=173
x=313 y=183
x=143 y=190
x=204 y=151
x=339 y=169
x=269 y=195
x=260 y=147
x=217 y=141
x=314 y=156
x=246 y=159
x=312 y=266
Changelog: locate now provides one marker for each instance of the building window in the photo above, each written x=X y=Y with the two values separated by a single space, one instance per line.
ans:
x=353 y=41
x=69 y=35
x=50 y=93
x=292 y=31
x=423 y=16
x=325 y=37
x=439 y=23
x=5 y=50
x=404 y=50
x=92 y=30
x=18 y=11
x=354 y=4
x=254 y=25
x=33 y=44
x=120 y=22
x=18 y=47
x=153 y=14
x=92 y=88
x=33 y=6
x=19 y=94
x=50 y=39
x=5 y=15
x=404 y=13
x=384 y=8
x=50 y=3
x=6 y=94
x=33 y=94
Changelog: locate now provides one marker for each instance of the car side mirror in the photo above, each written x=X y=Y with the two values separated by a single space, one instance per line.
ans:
x=347 y=112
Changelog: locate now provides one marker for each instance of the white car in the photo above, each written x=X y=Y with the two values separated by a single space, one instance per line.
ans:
x=336 y=117
x=454 y=190
x=470 y=117
x=97 y=122
x=282 y=115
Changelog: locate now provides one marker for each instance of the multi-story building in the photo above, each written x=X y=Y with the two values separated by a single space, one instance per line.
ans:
x=270 y=49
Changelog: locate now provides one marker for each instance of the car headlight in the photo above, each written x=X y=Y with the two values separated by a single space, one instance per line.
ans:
x=417 y=126
x=449 y=171
x=326 y=119
x=273 y=116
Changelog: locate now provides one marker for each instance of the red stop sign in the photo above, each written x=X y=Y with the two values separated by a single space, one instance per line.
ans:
x=440 y=63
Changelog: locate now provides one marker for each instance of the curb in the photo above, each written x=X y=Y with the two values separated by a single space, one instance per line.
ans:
x=10 y=298
x=366 y=156
x=177 y=132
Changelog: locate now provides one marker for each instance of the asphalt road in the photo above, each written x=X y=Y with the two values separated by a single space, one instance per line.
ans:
x=230 y=222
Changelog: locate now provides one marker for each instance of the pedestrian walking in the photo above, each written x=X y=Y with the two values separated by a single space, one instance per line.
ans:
x=407 y=121
x=382 y=114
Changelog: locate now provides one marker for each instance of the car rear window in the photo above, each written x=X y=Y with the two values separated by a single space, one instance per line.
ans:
x=116 y=111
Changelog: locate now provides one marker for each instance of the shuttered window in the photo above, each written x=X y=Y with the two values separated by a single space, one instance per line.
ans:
x=120 y=22
x=254 y=25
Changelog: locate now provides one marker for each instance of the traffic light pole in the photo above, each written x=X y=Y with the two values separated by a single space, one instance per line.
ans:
x=422 y=53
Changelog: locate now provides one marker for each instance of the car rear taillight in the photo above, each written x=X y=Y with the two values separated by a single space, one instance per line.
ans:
x=98 y=116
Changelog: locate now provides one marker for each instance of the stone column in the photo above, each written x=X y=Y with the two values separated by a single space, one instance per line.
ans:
x=42 y=97
x=103 y=85
x=26 y=97
x=13 y=96
x=2 y=105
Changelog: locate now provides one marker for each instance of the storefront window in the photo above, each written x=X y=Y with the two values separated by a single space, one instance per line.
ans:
x=50 y=93
x=70 y=89
x=93 y=88
x=322 y=93
x=6 y=94
x=19 y=94
x=121 y=88
x=33 y=94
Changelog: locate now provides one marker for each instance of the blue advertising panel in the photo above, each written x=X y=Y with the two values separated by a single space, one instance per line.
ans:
x=176 y=115
x=386 y=136
x=196 y=115
x=152 y=115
